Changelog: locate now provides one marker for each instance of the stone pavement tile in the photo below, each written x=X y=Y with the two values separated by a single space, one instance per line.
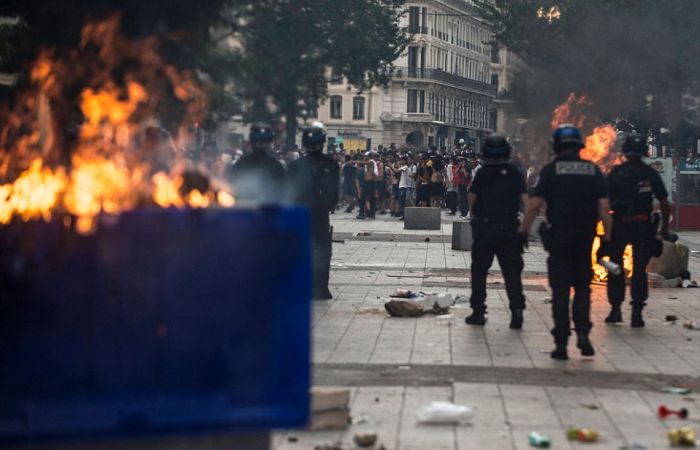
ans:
x=358 y=341
x=579 y=407
x=378 y=409
x=489 y=428
x=431 y=343
x=528 y=408
x=395 y=342
x=415 y=436
x=633 y=416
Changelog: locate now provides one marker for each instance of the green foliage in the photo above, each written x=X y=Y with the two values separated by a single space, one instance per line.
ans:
x=288 y=49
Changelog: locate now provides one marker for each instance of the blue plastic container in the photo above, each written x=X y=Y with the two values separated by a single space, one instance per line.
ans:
x=163 y=321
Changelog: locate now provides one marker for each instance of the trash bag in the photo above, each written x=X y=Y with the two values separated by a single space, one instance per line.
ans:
x=445 y=413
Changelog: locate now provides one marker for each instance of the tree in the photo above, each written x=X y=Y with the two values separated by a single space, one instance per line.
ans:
x=287 y=49
x=632 y=58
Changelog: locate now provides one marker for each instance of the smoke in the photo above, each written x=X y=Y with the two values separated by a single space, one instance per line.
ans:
x=632 y=59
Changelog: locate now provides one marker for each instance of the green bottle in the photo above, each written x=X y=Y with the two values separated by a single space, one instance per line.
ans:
x=539 y=441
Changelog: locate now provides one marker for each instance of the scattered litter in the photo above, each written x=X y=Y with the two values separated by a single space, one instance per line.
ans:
x=675 y=390
x=689 y=284
x=591 y=406
x=691 y=325
x=402 y=308
x=404 y=293
x=673 y=298
x=671 y=318
x=364 y=418
x=365 y=439
x=292 y=439
x=582 y=435
x=671 y=283
x=547 y=301
x=376 y=399
x=544 y=350
x=404 y=367
x=539 y=441
x=664 y=412
x=445 y=319
x=445 y=413
x=682 y=437
x=364 y=233
x=333 y=446
x=427 y=239
x=339 y=241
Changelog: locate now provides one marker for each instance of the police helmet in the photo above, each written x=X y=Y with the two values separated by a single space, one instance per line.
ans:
x=567 y=137
x=261 y=135
x=496 y=148
x=314 y=136
x=635 y=144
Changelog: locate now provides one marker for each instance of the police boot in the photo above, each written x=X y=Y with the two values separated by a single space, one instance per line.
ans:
x=516 y=319
x=584 y=344
x=615 y=315
x=637 y=319
x=476 y=318
x=560 y=351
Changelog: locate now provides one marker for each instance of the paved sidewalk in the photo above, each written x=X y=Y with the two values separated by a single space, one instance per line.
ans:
x=396 y=365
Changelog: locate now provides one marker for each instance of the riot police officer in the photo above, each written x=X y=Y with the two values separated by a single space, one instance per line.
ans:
x=576 y=196
x=258 y=178
x=314 y=182
x=495 y=197
x=633 y=186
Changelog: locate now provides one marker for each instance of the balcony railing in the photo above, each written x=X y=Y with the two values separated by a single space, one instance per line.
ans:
x=417 y=30
x=411 y=73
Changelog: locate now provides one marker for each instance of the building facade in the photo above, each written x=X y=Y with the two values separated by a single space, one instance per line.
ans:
x=442 y=90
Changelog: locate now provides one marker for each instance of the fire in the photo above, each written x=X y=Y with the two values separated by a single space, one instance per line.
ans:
x=33 y=195
x=599 y=144
x=571 y=111
x=600 y=275
x=114 y=163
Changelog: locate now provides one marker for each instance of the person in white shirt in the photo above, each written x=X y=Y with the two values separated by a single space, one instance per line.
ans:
x=452 y=198
x=407 y=183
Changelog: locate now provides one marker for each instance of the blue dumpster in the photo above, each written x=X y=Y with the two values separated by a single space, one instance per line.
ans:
x=163 y=321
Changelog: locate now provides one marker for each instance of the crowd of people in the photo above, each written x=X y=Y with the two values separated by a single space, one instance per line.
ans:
x=385 y=181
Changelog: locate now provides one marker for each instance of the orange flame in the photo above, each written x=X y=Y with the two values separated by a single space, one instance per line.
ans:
x=109 y=171
x=571 y=112
x=599 y=144
x=33 y=195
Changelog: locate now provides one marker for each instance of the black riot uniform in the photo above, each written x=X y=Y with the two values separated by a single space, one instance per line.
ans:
x=496 y=193
x=314 y=181
x=572 y=189
x=258 y=178
x=633 y=186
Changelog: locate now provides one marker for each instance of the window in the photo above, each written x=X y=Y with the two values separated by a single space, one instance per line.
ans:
x=336 y=77
x=415 y=101
x=336 y=107
x=358 y=108
x=414 y=19
x=313 y=112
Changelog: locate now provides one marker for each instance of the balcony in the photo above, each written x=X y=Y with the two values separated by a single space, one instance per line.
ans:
x=406 y=73
x=413 y=29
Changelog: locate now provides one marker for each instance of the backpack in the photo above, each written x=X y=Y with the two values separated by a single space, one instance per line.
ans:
x=631 y=190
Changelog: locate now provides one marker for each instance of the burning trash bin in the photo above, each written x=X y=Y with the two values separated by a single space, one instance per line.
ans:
x=163 y=320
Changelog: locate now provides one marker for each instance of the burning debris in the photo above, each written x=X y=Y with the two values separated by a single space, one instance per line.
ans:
x=82 y=137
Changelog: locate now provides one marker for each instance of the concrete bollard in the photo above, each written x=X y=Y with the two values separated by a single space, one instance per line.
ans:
x=422 y=219
x=462 y=236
